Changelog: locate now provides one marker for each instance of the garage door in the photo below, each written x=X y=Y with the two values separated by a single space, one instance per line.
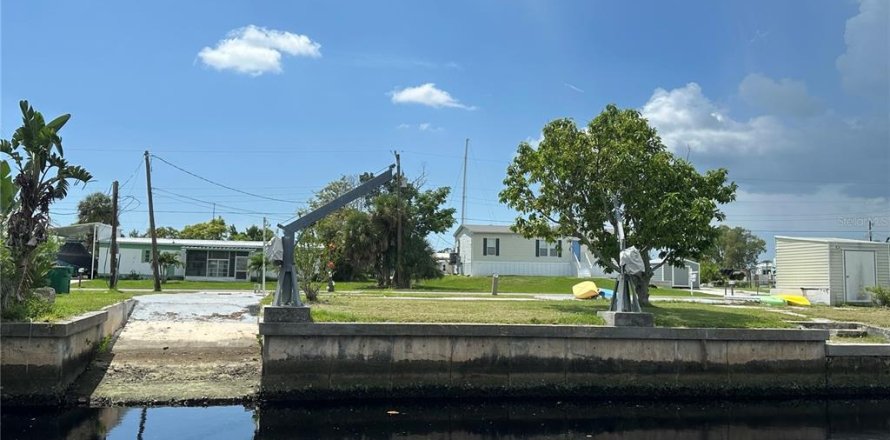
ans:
x=859 y=273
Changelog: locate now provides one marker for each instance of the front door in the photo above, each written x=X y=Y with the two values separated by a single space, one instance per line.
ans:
x=859 y=273
x=240 y=268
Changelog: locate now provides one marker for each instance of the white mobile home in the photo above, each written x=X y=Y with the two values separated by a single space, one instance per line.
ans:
x=204 y=260
x=831 y=270
x=484 y=250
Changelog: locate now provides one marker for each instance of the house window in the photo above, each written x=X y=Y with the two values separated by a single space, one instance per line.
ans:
x=196 y=263
x=544 y=248
x=146 y=255
x=491 y=246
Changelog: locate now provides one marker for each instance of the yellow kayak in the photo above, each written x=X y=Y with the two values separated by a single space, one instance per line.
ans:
x=585 y=290
x=795 y=300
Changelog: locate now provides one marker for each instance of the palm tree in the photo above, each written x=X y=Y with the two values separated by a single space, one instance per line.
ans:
x=255 y=264
x=43 y=177
x=167 y=260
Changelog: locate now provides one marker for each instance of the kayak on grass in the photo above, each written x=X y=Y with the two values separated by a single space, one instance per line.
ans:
x=585 y=290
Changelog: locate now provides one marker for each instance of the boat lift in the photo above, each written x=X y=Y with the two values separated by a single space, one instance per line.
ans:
x=286 y=292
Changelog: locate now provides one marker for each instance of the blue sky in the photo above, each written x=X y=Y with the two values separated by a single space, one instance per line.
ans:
x=279 y=98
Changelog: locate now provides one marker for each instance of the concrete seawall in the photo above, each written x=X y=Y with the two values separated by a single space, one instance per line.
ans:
x=38 y=361
x=330 y=361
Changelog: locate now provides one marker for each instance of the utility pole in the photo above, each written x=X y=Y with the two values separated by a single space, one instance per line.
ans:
x=151 y=226
x=463 y=198
x=398 y=274
x=112 y=282
x=264 y=256
x=869 y=230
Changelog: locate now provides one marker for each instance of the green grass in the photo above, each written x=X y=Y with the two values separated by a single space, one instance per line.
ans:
x=878 y=316
x=506 y=284
x=378 y=308
x=173 y=285
x=68 y=305
x=675 y=314
x=368 y=308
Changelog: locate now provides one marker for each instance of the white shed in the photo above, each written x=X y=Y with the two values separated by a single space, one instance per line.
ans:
x=673 y=276
x=831 y=271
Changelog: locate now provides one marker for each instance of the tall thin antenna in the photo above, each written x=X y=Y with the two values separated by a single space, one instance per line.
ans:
x=463 y=198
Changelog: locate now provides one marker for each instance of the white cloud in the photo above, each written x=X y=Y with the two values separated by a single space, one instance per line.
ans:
x=577 y=89
x=423 y=126
x=535 y=142
x=254 y=50
x=864 y=66
x=775 y=155
x=785 y=96
x=685 y=118
x=428 y=95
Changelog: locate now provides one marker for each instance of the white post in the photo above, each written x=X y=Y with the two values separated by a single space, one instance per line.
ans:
x=263 y=277
x=93 y=259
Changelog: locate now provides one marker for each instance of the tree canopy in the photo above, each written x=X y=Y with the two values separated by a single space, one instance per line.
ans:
x=214 y=229
x=568 y=185
x=361 y=238
x=736 y=248
x=95 y=208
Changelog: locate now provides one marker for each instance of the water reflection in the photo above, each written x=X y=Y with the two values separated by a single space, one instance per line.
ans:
x=503 y=420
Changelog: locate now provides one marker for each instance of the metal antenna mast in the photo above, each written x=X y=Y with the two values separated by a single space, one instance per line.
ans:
x=463 y=198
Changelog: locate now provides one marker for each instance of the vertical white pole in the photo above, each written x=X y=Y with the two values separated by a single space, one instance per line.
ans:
x=93 y=258
x=264 y=257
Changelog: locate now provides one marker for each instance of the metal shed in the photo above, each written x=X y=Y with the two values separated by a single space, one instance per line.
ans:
x=831 y=271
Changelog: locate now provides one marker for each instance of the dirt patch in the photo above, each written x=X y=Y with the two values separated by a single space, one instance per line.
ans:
x=160 y=358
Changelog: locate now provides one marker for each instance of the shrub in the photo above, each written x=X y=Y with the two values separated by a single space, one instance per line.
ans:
x=880 y=295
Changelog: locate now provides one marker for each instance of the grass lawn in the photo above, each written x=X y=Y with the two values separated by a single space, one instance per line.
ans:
x=68 y=305
x=878 y=316
x=506 y=284
x=379 y=308
x=174 y=285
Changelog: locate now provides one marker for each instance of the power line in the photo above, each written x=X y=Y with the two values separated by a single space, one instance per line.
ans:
x=222 y=185
x=208 y=204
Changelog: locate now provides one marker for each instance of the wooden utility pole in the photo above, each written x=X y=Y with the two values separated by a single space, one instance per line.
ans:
x=398 y=274
x=112 y=282
x=151 y=226
x=463 y=198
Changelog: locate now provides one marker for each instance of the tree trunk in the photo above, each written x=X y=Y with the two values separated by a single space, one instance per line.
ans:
x=642 y=288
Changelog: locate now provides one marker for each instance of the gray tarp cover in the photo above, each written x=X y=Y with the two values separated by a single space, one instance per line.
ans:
x=632 y=261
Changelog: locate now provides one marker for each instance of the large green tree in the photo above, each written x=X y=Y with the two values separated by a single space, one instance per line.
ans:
x=251 y=233
x=95 y=207
x=362 y=238
x=736 y=248
x=43 y=177
x=214 y=229
x=568 y=185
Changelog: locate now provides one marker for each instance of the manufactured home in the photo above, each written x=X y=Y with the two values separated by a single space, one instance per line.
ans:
x=831 y=271
x=483 y=250
x=203 y=260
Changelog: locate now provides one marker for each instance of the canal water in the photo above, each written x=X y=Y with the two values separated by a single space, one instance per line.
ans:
x=858 y=419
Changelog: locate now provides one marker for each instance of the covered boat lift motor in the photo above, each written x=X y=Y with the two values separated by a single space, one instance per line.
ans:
x=286 y=293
